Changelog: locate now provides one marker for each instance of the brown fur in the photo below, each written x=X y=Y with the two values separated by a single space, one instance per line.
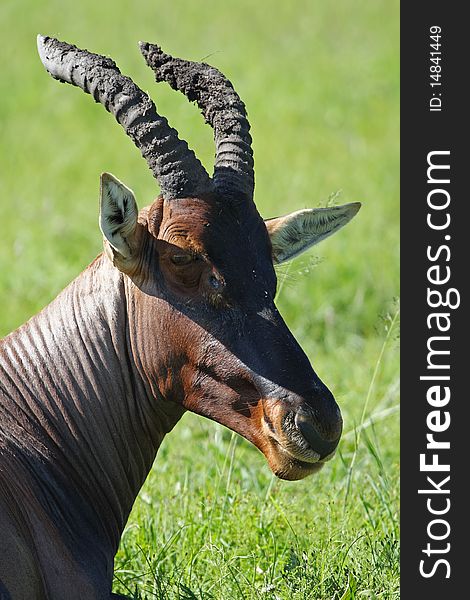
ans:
x=89 y=387
x=177 y=314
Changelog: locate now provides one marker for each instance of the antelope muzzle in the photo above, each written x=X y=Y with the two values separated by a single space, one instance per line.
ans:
x=301 y=433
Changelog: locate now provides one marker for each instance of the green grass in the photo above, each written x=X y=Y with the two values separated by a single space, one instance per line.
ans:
x=320 y=81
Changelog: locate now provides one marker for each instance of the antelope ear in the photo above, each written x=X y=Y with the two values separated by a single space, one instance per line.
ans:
x=118 y=216
x=294 y=233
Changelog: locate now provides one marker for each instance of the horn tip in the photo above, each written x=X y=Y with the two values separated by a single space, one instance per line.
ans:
x=41 y=40
x=151 y=51
x=147 y=47
x=41 y=44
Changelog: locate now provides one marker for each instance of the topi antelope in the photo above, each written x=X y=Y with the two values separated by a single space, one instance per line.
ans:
x=177 y=314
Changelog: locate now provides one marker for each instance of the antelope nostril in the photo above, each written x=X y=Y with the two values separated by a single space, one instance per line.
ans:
x=215 y=282
x=306 y=427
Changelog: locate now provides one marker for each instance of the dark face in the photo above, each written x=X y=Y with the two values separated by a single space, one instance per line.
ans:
x=203 y=325
x=207 y=334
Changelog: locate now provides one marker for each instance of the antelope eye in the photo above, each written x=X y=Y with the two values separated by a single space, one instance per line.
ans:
x=182 y=259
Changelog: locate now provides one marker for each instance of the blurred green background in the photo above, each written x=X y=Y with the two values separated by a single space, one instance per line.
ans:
x=320 y=82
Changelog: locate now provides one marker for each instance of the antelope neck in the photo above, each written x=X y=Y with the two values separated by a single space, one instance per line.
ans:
x=90 y=428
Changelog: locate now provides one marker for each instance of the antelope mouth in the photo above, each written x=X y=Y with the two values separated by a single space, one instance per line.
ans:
x=298 y=448
x=286 y=465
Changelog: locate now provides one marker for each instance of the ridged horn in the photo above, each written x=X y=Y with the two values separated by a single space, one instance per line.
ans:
x=222 y=109
x=172 y=163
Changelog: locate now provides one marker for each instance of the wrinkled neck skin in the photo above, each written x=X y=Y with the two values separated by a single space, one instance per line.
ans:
x=77 y=418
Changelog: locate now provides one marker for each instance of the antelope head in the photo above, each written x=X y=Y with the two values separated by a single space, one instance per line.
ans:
x=198 y=265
